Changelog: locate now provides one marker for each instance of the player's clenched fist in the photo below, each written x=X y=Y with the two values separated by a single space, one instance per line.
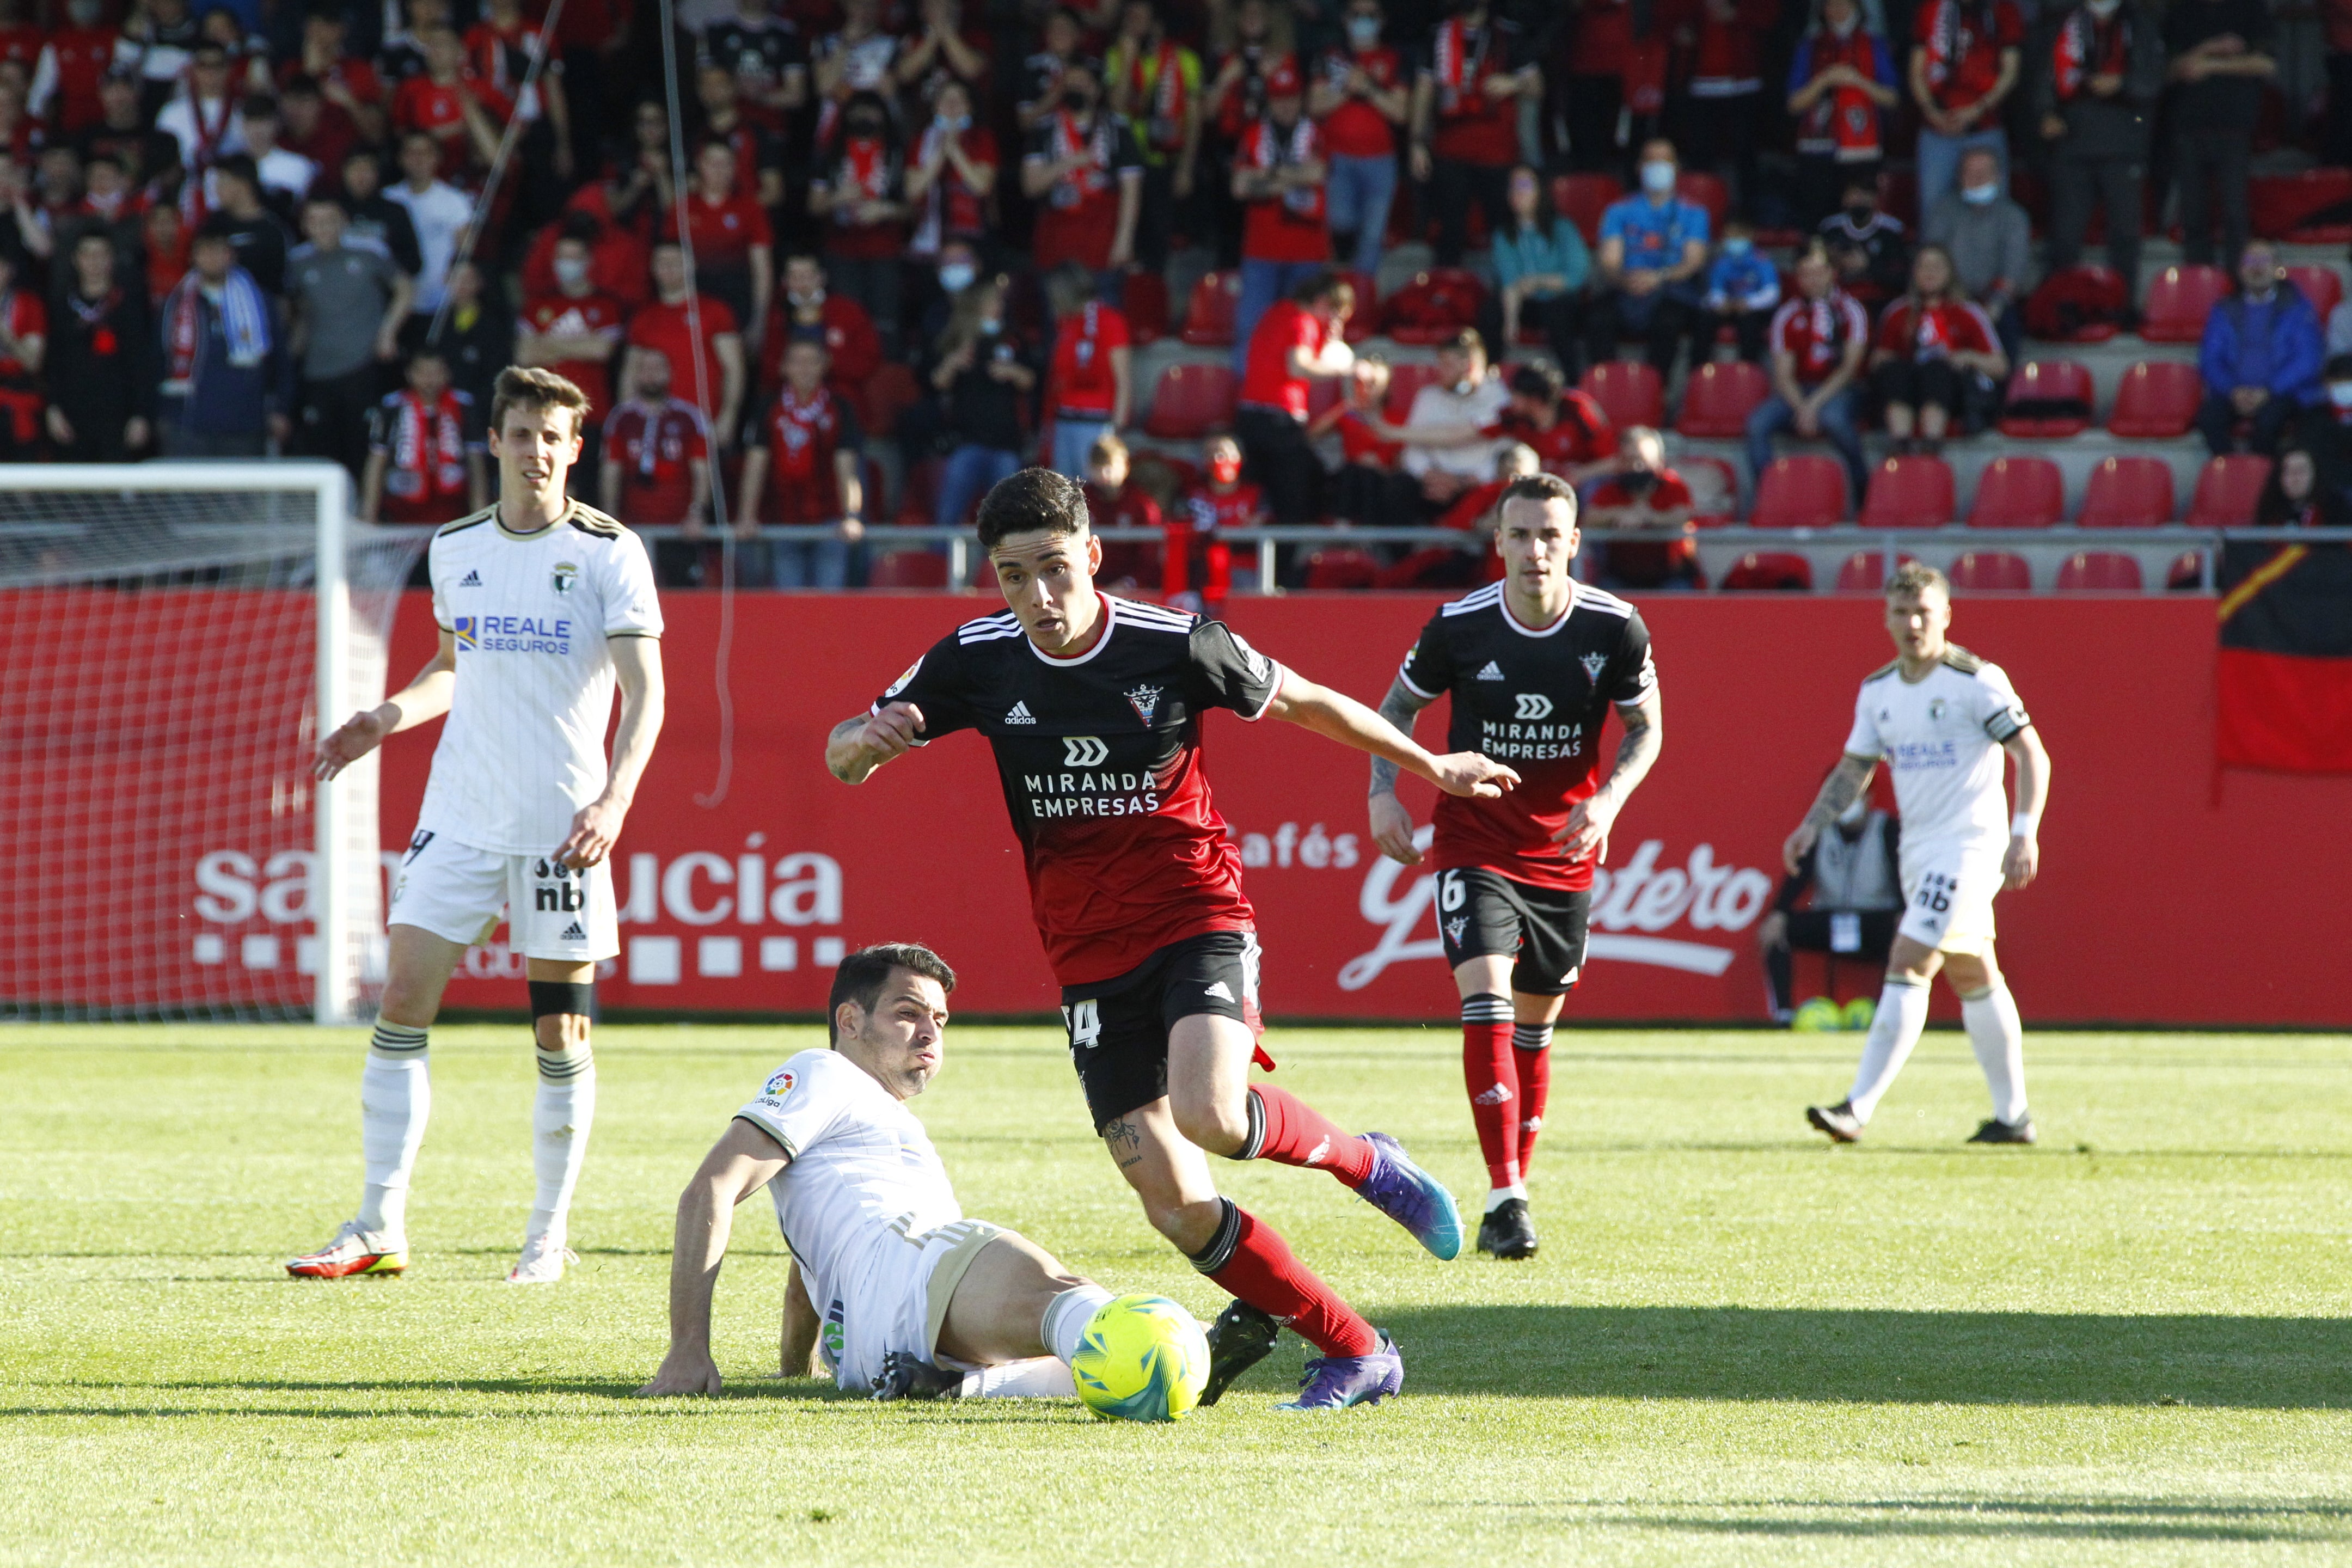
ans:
x=595 y=828
x=1471 y=773
x=859 y=746
x=360 y=734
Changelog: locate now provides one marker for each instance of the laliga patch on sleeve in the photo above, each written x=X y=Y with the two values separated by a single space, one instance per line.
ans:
x=900 y=684
x=780 y=1085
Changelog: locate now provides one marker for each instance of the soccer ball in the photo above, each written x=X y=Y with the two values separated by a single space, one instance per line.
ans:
x=1142 y=1358
x=1861 y=1012
x=1820 y=1015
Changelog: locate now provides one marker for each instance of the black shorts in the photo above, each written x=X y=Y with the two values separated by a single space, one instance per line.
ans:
x=1481 y=913
x=1118 y=1028
x=1872 y=936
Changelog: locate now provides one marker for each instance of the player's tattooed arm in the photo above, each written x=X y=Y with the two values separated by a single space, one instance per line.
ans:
x=1841 y=789
x=425 y=699
x=1391 y=824
x=1589 y=820
x=857 y=746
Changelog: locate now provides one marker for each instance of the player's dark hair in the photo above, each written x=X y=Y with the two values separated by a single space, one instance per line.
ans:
x=1034 y=500
x=1538 y=488
x=862 y=975
x=532 y=387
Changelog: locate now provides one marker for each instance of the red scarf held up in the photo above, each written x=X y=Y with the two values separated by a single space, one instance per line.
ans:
x=1460 y=64
x=1272 y=149
x=1844 y=115
x=428 y=449
x=864 y=170
x=800 y=424
x=2086 y=48
x=1164 y=83
x=1067 y=141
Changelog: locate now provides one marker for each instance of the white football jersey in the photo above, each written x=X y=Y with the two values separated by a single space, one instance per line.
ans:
x=864 y=1175
x=1941 y=737
x=523 y=747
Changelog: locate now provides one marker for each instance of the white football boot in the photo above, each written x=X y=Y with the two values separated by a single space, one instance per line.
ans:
x=542 y=1261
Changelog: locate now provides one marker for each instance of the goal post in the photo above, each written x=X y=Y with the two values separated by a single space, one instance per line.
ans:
x=172 y=635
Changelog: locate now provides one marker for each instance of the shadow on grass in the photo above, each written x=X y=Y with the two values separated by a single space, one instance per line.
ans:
x=1867 y=1357
x=2127 y=1519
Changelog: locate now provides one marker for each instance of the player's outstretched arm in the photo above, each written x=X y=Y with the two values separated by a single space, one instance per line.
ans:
x=1339 y=717
x=596 y=827
x=422 y=698
x=1589 y=821
x=743 y=1161
x=1841 y=789
x=858 y=746
x=1391 y=824
x=2023 y=860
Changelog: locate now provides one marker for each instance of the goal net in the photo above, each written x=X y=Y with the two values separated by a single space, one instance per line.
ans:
x=171 y=637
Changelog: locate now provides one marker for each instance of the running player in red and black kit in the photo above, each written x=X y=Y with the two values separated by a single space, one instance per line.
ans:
x=1093 y=705
x=1533 y=663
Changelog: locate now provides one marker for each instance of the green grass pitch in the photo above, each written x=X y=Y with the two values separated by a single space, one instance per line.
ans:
x=1739 y=1345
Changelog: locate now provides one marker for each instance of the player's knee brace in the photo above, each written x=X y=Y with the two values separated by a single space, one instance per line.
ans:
x=550 y=997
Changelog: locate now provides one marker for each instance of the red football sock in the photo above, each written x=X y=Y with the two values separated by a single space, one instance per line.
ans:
x=1492 y=1077
x=1289 y=1132
x=1257 y=1266
x=1534 y=1048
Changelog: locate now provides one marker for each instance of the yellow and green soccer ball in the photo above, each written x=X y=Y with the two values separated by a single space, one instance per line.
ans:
x=1142 y=1358
x=1861 y=1012
x=1817 y=1016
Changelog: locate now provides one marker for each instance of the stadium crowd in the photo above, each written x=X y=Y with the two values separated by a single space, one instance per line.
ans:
x=945 y=229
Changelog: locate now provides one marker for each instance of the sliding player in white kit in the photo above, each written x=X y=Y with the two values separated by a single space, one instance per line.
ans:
x=544 y=606
x=917 y=1301
x=1942 y=719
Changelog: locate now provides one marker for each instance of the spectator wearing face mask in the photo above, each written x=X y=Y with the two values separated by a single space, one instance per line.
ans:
x=1361 y=95
x=1968 y=60
x=1641 y=520
x=1465 y=120
x=986 y=374
x=1990 y=242
x=2259 y=357
x=1199 y=570
x=814 y=312
x=1743 y=291
x=1155 y=85
x=1840 y=86
x=859 y=193
x=1653 y=252
x=2094 y=92
x=574 y=330
x=1870 y=249
x=1278 y=177
x=1085 y=171
x=951 y=179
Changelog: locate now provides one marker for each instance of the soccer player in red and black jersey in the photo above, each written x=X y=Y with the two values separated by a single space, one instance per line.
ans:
x=1533 y=665
x=1094 y=706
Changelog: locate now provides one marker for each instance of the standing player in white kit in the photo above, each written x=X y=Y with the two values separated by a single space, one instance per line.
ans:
x=544 y=606
x=1941 y=718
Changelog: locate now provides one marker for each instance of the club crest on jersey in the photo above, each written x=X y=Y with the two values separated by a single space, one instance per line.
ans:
x=566 y=573
x=1145 y=700
x=1455 y=927
x=781 y=1085
x=1532 y=705
x=1935 y=710
x=1594 y=663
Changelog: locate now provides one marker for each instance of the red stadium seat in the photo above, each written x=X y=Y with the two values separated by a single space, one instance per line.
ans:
x=2227 y=488
x=1864 y=571
x=2098 y=572
x=1341 y=569
x=1209 y=315
x=1143 y=300
x=2156 y=400
x=1804 y=491
x=2097 y=294
x=1992 y=572
x=2019 y=492
x=908 y=569
x=1582 y=198
x=1404 y=381
x=1910 y=493
x=888 y=393
x=1365 y=318
x=1714 y=487
x=1628 y=391
x=2323 y=285
x=2128 y=493
x=1191 y=401
x=1718 y=398
x=2177 y=303
x=1708 y=190
x=1766 y=572
x=918 y=497
x=2283 y=205
x=2058 y=398
x=1434 y=306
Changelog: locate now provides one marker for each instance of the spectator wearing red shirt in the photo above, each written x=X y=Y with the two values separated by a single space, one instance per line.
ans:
x=617 y=260
x=501 y=49
x=812 y=312
x=1360 y=98
x=1722 y=98
x=734 y=250
x=1465 y=120
x=574 y=330
x=758 y=151
x=1299 y=340
x=803 y=468
x=1815 y=348
x=669 y=323
x=73 y=62
x=952 y=177
x=424 y=456
x=1568 y=432
x=1841 y=88
x=1083 y=169
x=1964 y=65
x=449 y=102
x=859 y=191
x=348 y=84
x=1278 y=177
x=1112 y=502
x=1936 y=349
x=1090 y=378
x=311 y=127
x=1199 y=570
x=1233 y=102
x=940 y=51
x=655 y=470
x=1642 y=517
x=23 y=344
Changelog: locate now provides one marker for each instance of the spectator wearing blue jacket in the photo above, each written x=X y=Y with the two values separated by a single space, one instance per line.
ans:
x=227 y=380
x=1540 y=269
x=1653 y=251
x=2261 y=357
x=1743 y=289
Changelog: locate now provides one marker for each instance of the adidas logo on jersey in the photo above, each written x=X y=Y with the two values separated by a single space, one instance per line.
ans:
x=1219 y=989
x=470 y=580
x=1021 y=715
x=573 y=932
x=1495 y=1096
x=1492 y=672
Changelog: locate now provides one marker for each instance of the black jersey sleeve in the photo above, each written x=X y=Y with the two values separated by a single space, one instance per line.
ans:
x=1633 y=676
x=1428 y=668
x=1223 y=671
x=937 y=686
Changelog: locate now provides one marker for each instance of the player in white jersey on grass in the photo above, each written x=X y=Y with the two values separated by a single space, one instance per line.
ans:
x=544 y=606
x=1942 y=719
x=891 y=1288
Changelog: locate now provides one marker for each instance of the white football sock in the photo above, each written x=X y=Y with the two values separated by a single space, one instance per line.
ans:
x=1042 y=1377
x=1997 y=1035
x=1902 y=1014
x=559 y=1131
x=1067 y=1316
x=1498 y=1196
x=395 y=1101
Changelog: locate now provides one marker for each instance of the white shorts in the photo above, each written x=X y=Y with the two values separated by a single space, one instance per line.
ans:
x=1947 y=892
x=900 y=1302
x=459 y=893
